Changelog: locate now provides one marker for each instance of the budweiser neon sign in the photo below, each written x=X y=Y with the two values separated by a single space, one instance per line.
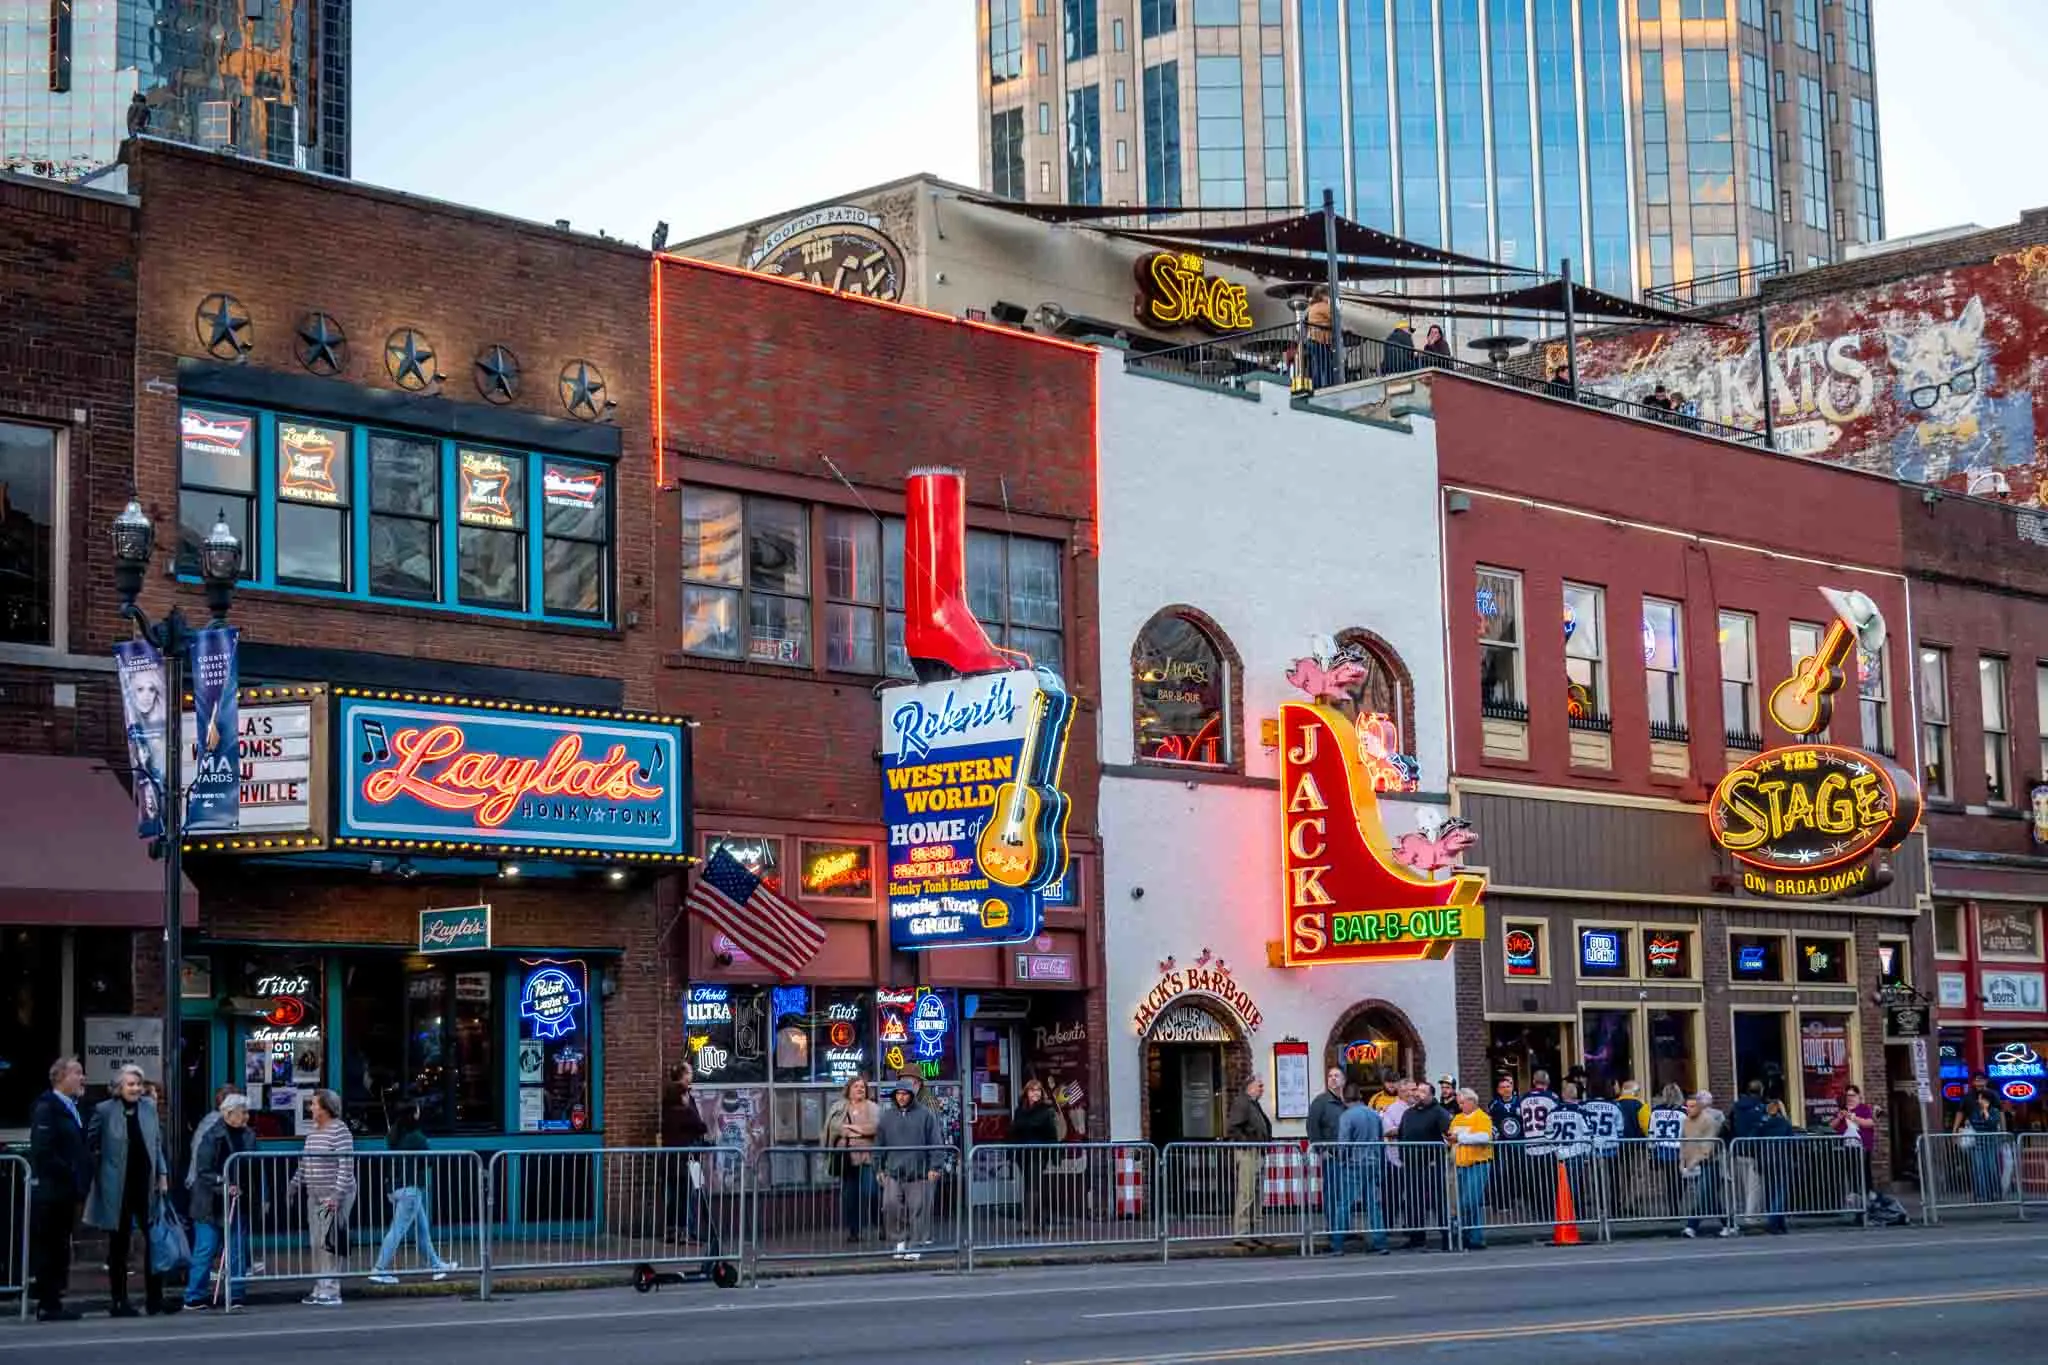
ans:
x=483 y=777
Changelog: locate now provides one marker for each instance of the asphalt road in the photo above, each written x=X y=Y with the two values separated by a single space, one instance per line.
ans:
x=1941 y=1295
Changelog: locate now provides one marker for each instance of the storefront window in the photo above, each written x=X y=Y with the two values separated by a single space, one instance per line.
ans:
x=1667 y=954
x=1822 y=961
x=918 y=1031
x=554 y=1043
x=837 y=871
x=1673 y=1059
x=725 y=1028
x=1604 y=951
x=758 y=854
x=1823 y=1065
x=1756 y=958
x=284 y=1050
x=1760 y=1051
x=1523 y=950
x=2009 y=932
x=1610 y=1052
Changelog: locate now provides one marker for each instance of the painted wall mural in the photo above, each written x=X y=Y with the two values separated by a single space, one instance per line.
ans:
x=1929 y=379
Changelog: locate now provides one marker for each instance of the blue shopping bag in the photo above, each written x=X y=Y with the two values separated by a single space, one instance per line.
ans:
x=170 y=1248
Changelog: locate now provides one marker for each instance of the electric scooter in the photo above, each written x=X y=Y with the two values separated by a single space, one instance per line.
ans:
x=713 y=1268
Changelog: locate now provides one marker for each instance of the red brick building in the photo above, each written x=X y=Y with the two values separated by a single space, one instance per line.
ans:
x=789 y=418
x=1625 y=595
x=74 y=881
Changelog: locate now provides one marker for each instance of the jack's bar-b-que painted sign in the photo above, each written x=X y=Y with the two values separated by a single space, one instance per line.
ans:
x=971 y=796
x=445 y=775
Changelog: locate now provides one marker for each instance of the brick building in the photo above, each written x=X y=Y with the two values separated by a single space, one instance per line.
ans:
x=1979 y=576
x=1685 y=575
x=74 y=881
x=788 y=419
x=430 y=429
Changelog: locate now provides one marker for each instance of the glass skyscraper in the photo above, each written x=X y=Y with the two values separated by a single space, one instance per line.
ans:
x=266 y=78
x=1643 y=140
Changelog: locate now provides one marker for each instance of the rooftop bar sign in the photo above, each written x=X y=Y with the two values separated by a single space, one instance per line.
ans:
x=438 y=774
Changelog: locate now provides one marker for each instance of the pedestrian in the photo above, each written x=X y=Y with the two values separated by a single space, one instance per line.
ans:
x=1322 y=354
x=1699 y=1164
x=61 y=1173
x=1688 y=411
x=1660 y=399
x=206 y=1125
x=682 y=1127
x=126 y=1144
x=1856 y=1121
x=1425 y=1129
x=221 y=1135
x=1537 y=1178
x=1471 y=1138
x=1400 y=349
x=1509 y=1156
x=1634 y=1112
x=1666 y=1129
x=1436 y=350
x=1327 y=1108
x=1036 y=1126
x=1559 y=384
x=327 y=1178
x=850 y=1131
x=1248 y=1126
x=1570 y=1135
x=1390 y=1120
x=1775 y=1163
x=1364 y=1167
x=1980 y=1084
x=1325 y=1113
x=1984 y=1136
x=1389 y=1091
x=1745 y=1126
x=410 y=1200
x=1447 y=1093
x=909 y=1144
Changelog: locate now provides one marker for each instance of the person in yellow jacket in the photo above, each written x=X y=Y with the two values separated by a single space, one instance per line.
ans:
x=1471 y=1139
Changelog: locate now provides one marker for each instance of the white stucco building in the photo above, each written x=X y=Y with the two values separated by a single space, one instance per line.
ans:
x=1235 y=529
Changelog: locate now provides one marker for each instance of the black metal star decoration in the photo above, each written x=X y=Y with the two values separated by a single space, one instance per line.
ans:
x=582 y=386
x=223 y=326
x=408 y=356
x=497 y=374
x=323 y=346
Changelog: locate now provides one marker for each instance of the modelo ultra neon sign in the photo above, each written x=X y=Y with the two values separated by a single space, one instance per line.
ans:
x=438 y=774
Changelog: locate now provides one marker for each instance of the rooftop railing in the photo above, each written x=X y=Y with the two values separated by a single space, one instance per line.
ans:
x=1707 y=291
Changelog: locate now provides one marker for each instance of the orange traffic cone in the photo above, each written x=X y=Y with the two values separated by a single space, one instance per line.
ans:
x=1567 y=1233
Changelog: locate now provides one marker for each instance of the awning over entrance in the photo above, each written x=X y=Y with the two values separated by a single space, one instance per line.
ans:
x=70 y=854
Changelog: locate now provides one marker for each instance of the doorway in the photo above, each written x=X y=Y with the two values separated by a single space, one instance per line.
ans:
x=1187 y=1102
x=1521 y=1049
x=195 y=1084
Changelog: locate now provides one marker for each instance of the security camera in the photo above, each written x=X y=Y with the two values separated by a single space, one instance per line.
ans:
x=1137 y=893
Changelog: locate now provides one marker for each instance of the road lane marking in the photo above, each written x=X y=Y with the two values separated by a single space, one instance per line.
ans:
x=1260 y=1307
x=1543 y=1329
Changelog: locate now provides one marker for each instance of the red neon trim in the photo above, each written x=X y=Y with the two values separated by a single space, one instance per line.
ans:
x=914 y=311
x=660 y=405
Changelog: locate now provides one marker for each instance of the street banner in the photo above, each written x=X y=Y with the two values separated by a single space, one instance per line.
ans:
x=145 y=713
x=215 y=794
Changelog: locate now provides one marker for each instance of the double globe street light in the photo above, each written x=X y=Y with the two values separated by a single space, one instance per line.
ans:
x=220 y=565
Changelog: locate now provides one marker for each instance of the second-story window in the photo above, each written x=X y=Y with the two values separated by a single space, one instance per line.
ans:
x=490 y=535
x=1738 y=680
x=1013 y=588
x=1873 y=706
x=313 y=462
x=746 y=577
x=1806 y=642
x=1585 y=654
x=1991 y=680
x=1180 y=690
x=853 y=592
x=576 y=526
x=1499 y=603
x=1934 y=720
x=217 y=480
x=1664 y=668
x=405 y=516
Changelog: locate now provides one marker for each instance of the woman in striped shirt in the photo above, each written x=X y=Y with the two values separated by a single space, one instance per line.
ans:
x=327 y=1174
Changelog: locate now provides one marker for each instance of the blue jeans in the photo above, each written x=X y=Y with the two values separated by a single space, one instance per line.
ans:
x=1355 y=1185
x=408 y=1212
x=1985 y=1167
x=1703 y=1196
x=206 y=1241
x=1472 y=1182
x=859 y=1204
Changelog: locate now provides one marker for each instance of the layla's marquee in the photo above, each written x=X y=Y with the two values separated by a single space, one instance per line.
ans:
x=971 y=757
x=1345 y=900
x=1808 y=820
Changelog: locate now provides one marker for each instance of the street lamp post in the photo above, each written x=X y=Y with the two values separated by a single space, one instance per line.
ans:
x=220 y=564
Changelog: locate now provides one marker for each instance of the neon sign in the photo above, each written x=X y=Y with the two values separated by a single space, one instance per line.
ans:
x=929 y=1025
x=2019 y=1092
x=1803 y=811
x=1752 y=959
x=445 y=775
x=708 y=1005
x=551 y=999
x=306 y=464
x=1664 y=951
x=1344 y=900
x=1520 y=945
x=1600 y=950
x=1174 y=290
x=2016 y=1062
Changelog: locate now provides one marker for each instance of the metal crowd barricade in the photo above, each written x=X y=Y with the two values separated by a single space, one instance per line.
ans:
x=16 y=1180
x=822 y=1204
x=275 y=1230
x=1095 y=1196
x=616 y=1206
x=1520 y=1192
x=1805 y=1175
x=1373 y=1191
x=1670 y=1181
x=2033 y=1159
x=1235 y=1191
x=1969 y=1170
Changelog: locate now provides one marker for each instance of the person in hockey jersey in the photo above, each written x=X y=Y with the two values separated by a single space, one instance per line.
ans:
x=1508 y=1158
x=1570 y=1136
x=1666 y=1127
x=1605 y=1126
x=1536 y=1182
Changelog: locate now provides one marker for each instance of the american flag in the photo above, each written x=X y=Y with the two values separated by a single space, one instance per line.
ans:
x=766 y=926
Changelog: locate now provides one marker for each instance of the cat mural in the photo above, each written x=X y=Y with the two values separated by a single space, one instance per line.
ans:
x=1956 y=425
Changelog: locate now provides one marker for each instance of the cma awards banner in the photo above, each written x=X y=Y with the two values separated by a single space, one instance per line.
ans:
x=213 y=792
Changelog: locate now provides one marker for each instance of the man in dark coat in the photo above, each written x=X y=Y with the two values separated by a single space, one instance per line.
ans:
x=63 y=1173
x=1428 y=1125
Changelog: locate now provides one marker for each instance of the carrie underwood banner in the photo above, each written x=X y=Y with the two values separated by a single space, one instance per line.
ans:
x=145 y=713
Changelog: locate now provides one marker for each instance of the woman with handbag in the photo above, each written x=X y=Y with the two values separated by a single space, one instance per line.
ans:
x=125 y=1144
x=850 y=1133
x=327 y=1175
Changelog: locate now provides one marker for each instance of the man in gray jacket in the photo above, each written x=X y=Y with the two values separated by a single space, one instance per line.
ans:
x=910 y=1147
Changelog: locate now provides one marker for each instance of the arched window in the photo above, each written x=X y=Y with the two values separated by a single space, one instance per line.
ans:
x=1387 y=689
x=1183 y=692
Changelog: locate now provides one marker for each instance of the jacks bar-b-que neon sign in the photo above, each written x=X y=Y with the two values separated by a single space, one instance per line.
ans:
x=440 y=775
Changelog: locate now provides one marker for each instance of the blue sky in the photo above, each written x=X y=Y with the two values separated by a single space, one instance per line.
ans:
x=707 y=113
